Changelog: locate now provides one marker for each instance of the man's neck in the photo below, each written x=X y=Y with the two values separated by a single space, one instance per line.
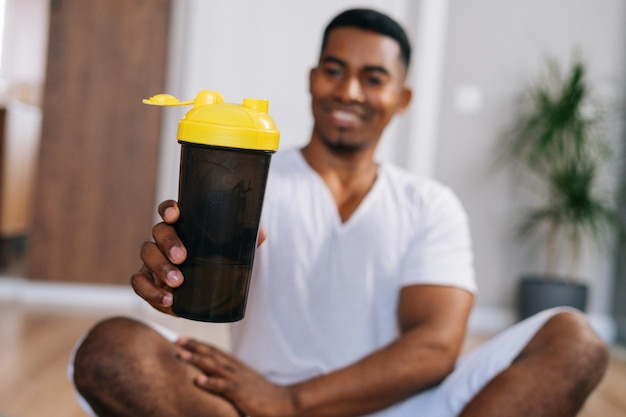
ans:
x=348 y=176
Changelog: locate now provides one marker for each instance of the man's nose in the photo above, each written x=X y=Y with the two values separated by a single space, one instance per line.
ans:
x=351 y=90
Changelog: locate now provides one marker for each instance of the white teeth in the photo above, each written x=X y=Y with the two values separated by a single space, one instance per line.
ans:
x=345 y=116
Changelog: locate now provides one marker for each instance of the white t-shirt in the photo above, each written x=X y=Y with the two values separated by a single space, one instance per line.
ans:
x=324 y=293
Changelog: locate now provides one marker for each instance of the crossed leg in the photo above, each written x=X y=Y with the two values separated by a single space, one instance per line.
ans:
x=125 y=368
x=552 y=376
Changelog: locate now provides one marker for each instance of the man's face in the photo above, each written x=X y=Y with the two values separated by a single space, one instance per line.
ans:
x=356 y=88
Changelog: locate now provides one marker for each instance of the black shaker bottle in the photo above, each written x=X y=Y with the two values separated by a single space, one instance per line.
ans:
x=225 y=157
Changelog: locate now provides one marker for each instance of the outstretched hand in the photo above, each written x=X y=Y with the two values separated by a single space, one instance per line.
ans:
x=225 y=375
x=159 y=272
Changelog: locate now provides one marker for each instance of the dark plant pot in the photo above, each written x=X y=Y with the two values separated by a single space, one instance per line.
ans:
x=537 y=293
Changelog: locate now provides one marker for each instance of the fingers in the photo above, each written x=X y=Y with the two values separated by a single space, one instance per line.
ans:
x=208 y=358
x=199 y=348
x=152 y=290
x=221 y=386
x=223 y=374
x=160 y=266
x=156 y=278
x=158 y=275
x=169 y=211
x=169 y=243
x=219 y=370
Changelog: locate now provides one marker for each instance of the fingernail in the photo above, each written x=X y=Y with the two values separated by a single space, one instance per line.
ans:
x=169 y=213
x=167 y=300
x=176 y=254
x=173 y=277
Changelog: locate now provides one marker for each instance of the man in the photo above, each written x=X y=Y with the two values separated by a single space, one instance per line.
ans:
x=361 y=292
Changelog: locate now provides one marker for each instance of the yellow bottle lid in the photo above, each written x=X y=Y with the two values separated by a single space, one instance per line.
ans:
x=213 y=122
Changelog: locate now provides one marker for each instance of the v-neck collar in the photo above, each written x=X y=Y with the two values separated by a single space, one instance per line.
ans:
x=330 y=201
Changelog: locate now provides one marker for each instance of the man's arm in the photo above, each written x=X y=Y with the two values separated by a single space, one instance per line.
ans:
x=432 y=320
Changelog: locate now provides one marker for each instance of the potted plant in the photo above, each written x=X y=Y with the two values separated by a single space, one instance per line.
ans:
x=559 y=141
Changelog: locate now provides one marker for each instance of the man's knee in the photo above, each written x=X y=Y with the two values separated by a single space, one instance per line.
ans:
x=126 y=368
x=572 y=329
x=569 y=341
x=105 y=357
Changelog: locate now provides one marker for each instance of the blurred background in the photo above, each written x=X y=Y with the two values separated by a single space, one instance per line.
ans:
x=84 y=163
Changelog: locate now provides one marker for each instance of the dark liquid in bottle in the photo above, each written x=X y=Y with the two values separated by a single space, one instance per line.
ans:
x=220 y=196
x=222 y=290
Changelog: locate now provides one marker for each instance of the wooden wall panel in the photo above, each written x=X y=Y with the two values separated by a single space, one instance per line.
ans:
x=94 y=198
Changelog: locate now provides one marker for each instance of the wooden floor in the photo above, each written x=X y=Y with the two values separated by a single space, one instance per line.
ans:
x=35 y=343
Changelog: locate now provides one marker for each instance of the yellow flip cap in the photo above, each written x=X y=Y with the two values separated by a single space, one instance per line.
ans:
x=213 y=122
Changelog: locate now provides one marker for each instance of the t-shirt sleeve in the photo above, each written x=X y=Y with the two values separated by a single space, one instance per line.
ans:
x=440 y=252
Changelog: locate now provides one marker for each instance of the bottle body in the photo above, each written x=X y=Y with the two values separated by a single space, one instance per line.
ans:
x=221 y=193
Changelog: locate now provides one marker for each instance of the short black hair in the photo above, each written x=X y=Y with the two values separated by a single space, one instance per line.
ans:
x=373 y=21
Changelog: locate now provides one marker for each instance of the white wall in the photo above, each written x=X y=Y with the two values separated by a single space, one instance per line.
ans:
x=26 y=41
x=496 y=47
x=23 y=75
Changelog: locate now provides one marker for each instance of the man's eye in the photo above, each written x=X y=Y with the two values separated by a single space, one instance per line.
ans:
x=332 y=71
x=375 y=81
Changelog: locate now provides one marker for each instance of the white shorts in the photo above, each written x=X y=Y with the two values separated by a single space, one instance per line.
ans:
x=472 y=372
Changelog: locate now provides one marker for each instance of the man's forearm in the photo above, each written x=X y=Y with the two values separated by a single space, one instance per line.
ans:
x=386 y=377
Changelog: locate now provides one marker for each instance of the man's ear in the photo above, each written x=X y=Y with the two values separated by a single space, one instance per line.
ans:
x=405 y=99
x=312 y=75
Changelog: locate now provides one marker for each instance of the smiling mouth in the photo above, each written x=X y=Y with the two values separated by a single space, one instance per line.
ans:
x=345 y=118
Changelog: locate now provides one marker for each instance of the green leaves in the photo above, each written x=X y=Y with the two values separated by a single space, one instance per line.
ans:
x=553 y=123
x=558 y=137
